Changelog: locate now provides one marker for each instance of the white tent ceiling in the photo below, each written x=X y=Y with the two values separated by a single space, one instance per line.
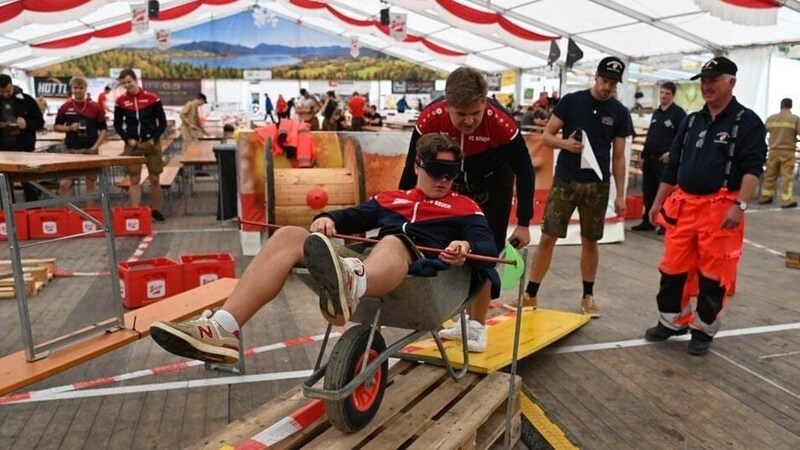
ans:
x=641 y=31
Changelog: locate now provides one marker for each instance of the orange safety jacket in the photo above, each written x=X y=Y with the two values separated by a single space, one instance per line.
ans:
x=292 y=139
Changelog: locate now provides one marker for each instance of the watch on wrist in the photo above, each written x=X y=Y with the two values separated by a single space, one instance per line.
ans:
x=742 y=205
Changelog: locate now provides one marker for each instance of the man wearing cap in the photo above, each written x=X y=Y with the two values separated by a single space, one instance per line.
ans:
x=714 y=165
x=591 y=115
x=660 y=134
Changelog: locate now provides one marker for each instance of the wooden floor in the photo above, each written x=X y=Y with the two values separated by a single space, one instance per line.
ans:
x=602 y=384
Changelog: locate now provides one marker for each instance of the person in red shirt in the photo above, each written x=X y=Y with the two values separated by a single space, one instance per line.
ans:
x=496 y=159
x=84 y=121
x=102 y=100
x=280 y=108
x=356 y=105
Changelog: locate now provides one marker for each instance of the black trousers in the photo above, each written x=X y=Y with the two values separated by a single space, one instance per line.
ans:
x=651 y=178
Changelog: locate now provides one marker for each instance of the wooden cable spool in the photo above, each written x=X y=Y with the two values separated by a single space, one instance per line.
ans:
x=287 y=188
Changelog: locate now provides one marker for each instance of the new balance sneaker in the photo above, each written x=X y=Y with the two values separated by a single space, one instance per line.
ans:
x=528 y=303
x=335 y=278
x=660 y=333
x=589 y=307
x=157 y=216
x=477 y=339
x=201 y=338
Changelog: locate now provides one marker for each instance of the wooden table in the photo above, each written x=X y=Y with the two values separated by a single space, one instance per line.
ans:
x=25 y=166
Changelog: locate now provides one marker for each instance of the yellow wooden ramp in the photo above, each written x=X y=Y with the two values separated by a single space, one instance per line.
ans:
x=540 y=328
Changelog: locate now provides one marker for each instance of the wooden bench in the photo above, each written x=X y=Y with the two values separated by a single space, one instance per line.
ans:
x=16 y=372
x=166 y=179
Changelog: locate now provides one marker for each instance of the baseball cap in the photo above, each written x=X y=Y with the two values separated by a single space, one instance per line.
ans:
x=716 y=67
x=611 y=67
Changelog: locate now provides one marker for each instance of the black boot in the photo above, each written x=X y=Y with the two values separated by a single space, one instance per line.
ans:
x=661 y=333
x=644 y=226
x=700 y=343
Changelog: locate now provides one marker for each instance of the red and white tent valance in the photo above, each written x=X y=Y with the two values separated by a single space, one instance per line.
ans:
x=743 y=12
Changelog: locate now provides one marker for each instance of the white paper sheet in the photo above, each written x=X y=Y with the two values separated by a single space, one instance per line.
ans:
x=588 y=160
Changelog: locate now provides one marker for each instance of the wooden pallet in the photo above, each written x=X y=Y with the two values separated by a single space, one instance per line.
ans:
x=38 y=272
x=423 y=408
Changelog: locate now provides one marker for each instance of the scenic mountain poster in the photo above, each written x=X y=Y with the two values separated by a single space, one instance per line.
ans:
x=226 y=47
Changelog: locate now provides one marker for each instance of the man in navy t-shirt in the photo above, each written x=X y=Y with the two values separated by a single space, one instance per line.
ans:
x=592 y=117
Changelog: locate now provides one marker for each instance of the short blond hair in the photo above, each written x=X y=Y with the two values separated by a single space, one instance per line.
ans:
x=464 y=87
x=429 y=145
x=78 y=81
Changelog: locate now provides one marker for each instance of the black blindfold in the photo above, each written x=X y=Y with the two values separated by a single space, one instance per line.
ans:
x=438 y=168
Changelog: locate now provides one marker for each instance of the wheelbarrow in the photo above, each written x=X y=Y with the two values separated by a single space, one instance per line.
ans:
x=357 y=369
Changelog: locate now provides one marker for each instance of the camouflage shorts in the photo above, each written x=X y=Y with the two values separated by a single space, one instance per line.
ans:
x=591 y=199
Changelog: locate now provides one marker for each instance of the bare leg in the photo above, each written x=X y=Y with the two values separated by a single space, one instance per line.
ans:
x=91 y=186
x=155 y=191
x=386 y=266
x=64 y=187
x=542 y=257
x=267 y=273
x=135 y=190
x=479 y=308
x=590 y=256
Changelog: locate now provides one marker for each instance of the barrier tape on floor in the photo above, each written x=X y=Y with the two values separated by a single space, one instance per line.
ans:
x=285 y=427
x=140 y=249
x=159 y=370
x=551 y=432
x=766 y=249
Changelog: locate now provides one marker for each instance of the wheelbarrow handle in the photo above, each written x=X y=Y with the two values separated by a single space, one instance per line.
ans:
x=422 y=248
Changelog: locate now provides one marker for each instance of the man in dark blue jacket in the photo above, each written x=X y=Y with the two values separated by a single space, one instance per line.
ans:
x=20 y=119
x=430 y=215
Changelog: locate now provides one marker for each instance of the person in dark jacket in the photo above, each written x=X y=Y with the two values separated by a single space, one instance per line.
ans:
x=21 y=118
x=430 y=214
x=140 y=121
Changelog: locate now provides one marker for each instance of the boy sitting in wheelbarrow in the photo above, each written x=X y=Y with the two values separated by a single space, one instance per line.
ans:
x=429 y=215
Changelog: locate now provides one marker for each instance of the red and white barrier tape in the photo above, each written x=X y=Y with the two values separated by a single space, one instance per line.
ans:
x=103 y=381
x=285 y=427
x=140 y=249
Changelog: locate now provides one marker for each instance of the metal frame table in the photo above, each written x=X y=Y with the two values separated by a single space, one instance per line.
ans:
x=29 y=167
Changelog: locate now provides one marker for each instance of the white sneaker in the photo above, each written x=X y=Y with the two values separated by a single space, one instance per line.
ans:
x=477 y=340
x=453 y=333
x=335 y=278
x=476 y=335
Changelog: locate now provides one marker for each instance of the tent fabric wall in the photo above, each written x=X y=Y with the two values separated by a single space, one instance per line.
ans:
x=752 y=79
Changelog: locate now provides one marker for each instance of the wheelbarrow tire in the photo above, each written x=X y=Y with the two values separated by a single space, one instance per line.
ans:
x=355 y=411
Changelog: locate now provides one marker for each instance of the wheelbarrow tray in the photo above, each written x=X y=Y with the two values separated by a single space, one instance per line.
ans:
x=419 y=303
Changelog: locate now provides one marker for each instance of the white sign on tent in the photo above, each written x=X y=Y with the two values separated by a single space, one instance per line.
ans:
x=398 y=26
x=139 y=18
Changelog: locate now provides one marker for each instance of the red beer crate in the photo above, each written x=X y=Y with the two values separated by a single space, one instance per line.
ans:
x=81 y=224
x=132 y=221
x=48 y=223
x=634 y=206
x=149 y=280
x=205 y=268
x=20 y=220
x=539 y=202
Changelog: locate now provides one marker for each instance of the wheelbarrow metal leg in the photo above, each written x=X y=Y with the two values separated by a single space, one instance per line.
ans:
x=464 y=348
x=324 y=345
x=372 y=331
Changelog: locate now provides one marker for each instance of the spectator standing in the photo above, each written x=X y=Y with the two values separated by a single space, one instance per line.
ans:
x=402 y=105
x=356 y=105
x=21 y=118
x=102 y=100
x=496 y=157
x=713 y=170
x=307 y=109
x=84 y=123
x=140 y=121
x=606 y=123
x=329 y=107
x=281 y=108
x=783 y=129
x=655 y=154
x=268 y=108
x=190 y=120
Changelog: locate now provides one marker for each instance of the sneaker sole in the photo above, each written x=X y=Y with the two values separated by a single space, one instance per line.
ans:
x=595 y=315
x=323 y=265
x=516 y=308
x=182 y=344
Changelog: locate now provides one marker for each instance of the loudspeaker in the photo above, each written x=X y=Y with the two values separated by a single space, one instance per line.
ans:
x=385 y=16
x=152 y=8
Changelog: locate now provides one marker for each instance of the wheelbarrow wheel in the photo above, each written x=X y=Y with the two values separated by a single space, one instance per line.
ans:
x=355 y=411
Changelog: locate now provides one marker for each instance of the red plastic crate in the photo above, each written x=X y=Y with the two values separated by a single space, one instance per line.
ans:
x=80 y=224
x=634 y=206
x=132 y=221
x=205 y=268
x=20 y=220
x=48 y=223
x=149 y=280
x=539 y=202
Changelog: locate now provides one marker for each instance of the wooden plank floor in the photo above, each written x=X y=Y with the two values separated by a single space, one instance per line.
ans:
x=744 y=394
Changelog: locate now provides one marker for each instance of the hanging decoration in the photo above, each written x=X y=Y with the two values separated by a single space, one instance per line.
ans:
x=163 y=39
x=355 y=46
x=140 y=19
x=398 y=26
x=743 y=12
